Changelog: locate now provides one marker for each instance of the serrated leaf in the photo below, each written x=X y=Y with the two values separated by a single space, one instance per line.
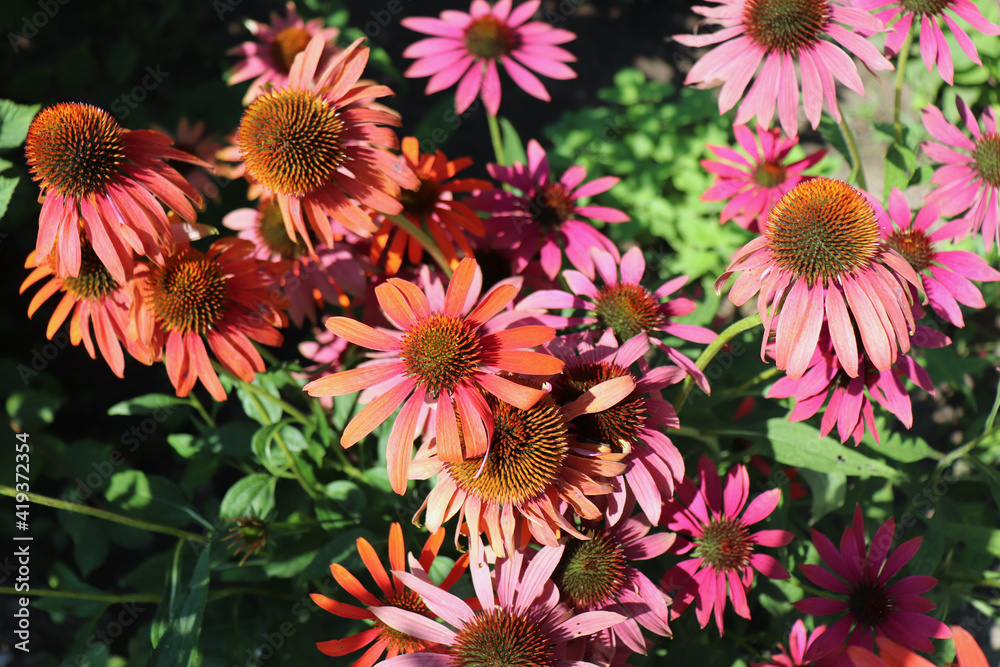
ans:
x=800 y=445
x=177 y=645
x=14 y=122
x=252 y=493
x=260 y=408
x=902 y=448
x=147 y=404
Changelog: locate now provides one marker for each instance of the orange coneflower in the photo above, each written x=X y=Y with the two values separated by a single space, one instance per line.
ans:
x=220 y=297
x=95 y=300
x=102 y=181
x=317 y=145
x=432 y=202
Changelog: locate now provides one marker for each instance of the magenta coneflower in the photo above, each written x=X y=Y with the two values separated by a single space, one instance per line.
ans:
x=968 y=183
x=633 y=426
x=821 y=259
x=466 y=48
x=714 y=527
x=597 y=573
x=779 y=33
x=271 y=56
x=869 y=604
x=318 y=146
x=308 y=282
x=103 y=183
x=519 y=620
x=898 y=16
x=542 y=220
x=439 y=353
x=849 y=404
x=945 y=274
x=794 y=655
x=750 y=187
x=624 y=306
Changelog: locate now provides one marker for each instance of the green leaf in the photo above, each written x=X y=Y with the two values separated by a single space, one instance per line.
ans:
x=252 y=493
x=31 y=409
x=260 y=408
x=991 y=475
x=513 y=149
x=177 y=644
x=147 y=404
x=800 y=445
x=900 y=162
x=153 y=498
x=7 y=186
x=828 y=491
x=977 y=538
x=905 y=449
x=830 y=132
x=14 y=122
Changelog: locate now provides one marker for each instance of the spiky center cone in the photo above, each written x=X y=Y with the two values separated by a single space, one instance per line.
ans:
x=592 y=572
x=291 y=141
x=870 y=604
x=490 y=38
x=400 y=641
x=424 y=199
x=914 y=245
x=987 y=159
x=188 y=293
x=94 y=282
x=726 y=544
x=823 y=229
x=74 y=149
x=628 y=309
x=621 y=422
x=921 y=7
x=287 y=44
x=440 y=352
x=769 y=174
x=249 y=536
x=786 y=25
x=275 y=236
x=501 y=638
x=551 y=205
x=525 y=457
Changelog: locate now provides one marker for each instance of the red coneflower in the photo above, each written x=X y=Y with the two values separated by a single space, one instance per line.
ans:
x=317 y=145
x=102 y=182
x=219 y=297
x=821 y=259
x=441 y=354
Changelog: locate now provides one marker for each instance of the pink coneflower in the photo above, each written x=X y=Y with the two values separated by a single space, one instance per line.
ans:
x=750 y=187
x=542 y=220
x=849 y=404
x=869 y=604
x=597 y=573
x=821 y=259
x=318 y=144
x=798 y=645
x=95 y=301
x=219 y=297
x=308 y=282
x=102 y=182
x=465 y=48
x=945 y=273
x=624 y=306
x=380 y=638
x=438 y=354
x=432 y=204
x=270 y=57
x=520 y=623
x=714 y=526
x=533 y=474
x=898 y=16
x=970 y=183
x=779 y=32
x=633 y=426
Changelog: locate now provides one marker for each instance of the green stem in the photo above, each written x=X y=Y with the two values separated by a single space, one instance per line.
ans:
x=292 y=411
x=424 y=239
x=960 y=451
x=706 y=357
x=196 y=404
x=904 y=55
x=77 y=595
x=857 y=174
x=497 y=140
x=103 y=514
